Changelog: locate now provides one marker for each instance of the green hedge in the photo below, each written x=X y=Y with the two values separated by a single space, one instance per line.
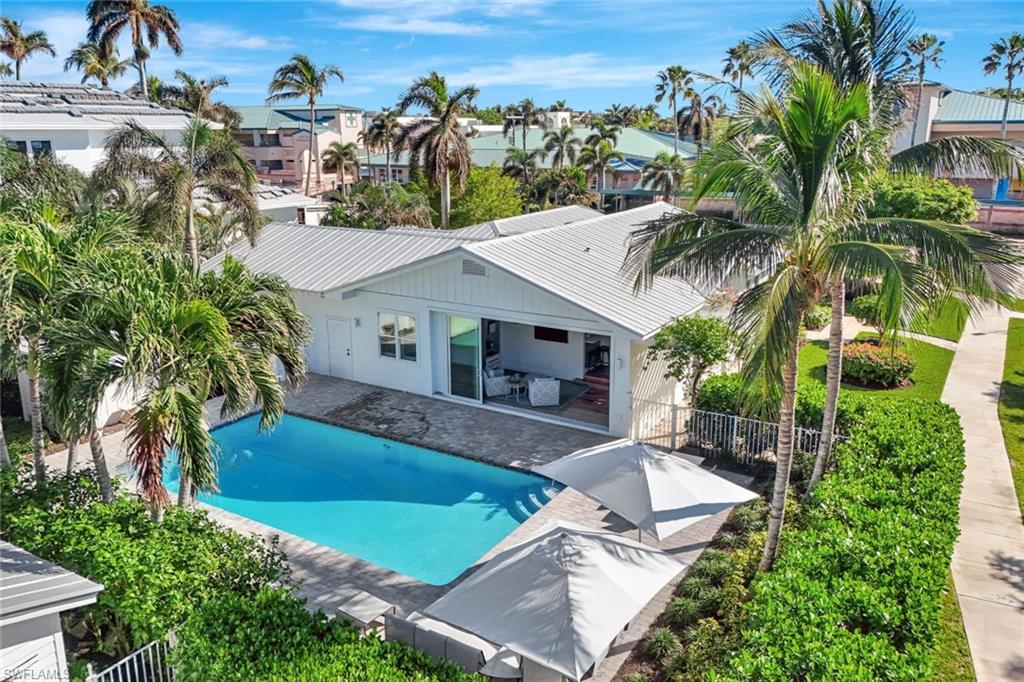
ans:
x=271 y=636
x=869 y=364
x=855 y=592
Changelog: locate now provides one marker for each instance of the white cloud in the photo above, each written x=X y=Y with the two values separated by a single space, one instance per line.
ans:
x=584 y=69
x=65 y=31
x=433 y=17
x=209 y=35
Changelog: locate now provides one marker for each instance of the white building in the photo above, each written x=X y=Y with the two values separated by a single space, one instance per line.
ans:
x=461 y=314
x=71 y=121
x=33 y=593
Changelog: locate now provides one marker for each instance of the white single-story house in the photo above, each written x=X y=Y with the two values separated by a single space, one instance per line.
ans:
x=33 y=593
x=541 y=321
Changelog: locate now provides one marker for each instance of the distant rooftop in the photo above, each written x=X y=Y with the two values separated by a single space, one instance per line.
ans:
x=290 y=117
x=505 y=227
x=27 y=105
x=958 y=106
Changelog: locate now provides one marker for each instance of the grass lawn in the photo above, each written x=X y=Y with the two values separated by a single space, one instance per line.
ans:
x=1016 y=304
x=952 y=661
x=929 y=377
x=1011 y=404
x=949 y=323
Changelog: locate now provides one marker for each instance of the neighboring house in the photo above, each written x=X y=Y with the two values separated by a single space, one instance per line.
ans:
x=279 y=204
x=622 y=188
x=455 y=314
x=71 y=121
x=276 y=140
x=33 y=593
x=945 y=112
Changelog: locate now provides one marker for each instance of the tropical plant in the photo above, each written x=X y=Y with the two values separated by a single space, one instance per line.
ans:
x=155 y=88
x=673 y=83
x=603 y=132
x=381 y=134
x=1007 y=55
x=664 y=174
x=869 y=364
x=597 y=159
x=144 y=22
x=521 y=165
x=922 y=51
x=689 y=347
x=922 y=197
x=19 y=46
x=378 y=206
x=1016 y=94
x=562 y=144
x=739 y=63
x=301 y=78
x=566 y=186
x=340 y=156
x=96 y=62
x=217 y=227
x=5 y=70
x=524 y=114
x=437 y=143
x=207 y=161
x=620 y=115
x=698 y=117
x=803 y=182
x=196 y=95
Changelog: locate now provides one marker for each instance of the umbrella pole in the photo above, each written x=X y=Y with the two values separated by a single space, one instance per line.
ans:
x=639 y=537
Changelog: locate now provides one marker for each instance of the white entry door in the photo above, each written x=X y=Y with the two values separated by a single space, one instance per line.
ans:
x=339 y=344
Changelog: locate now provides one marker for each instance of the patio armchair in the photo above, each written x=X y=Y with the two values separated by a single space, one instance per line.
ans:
x=544 y=392
x=496 y=383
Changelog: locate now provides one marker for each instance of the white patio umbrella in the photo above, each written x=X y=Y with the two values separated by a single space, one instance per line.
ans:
x=658 y=493
x=560 y=597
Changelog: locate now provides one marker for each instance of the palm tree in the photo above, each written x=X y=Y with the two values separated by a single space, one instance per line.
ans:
x=207 y=161
x=698 y=117
x=562 y=144
x=340 y=156
x=300 y=78
x=5 y=70
x=437 y=143
x=145 y=22
x=21 y=46
x=738 y=63
x=664 y=174
x=196 y=95
x=381 y=135
x=525 y=114
x=603 y=132
x=673 y=82
x=217 y=227
x=521 y=165
x=1007 y=54
x=921 y=51
x=597 y=158
x=94 y=61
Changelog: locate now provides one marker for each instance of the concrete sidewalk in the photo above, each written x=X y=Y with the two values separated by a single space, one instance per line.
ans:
x=988 y=562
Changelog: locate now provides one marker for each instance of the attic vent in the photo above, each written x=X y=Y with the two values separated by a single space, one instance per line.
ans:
x=471 y=267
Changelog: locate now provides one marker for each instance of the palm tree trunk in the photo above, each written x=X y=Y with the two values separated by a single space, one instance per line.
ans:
x=446 y=199
x=1006 y=107
x=156 y=513
x=5 y=456
x=387 y=161
x=17 y=69
x=99 y=463
x=675 y=129
x=191 y=243
x=140 y=64
x=312 y=136
x=72 y=454
x=917 y=109
x=783 y=458
x=36 y=409
x=184 y=492
x=833 y=375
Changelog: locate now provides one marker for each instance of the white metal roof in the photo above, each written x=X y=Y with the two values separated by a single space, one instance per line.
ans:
x=505 y=227
x=59 y=106
x=322 y=259
x=31 y=587
x=582 y=263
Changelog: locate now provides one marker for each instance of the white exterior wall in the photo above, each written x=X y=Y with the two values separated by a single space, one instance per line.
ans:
x=33 y=650
x=83 y=149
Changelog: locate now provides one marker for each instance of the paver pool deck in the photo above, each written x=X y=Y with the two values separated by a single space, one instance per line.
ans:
x=328 y=578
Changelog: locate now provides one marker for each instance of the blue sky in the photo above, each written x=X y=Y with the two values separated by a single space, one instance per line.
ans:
x=589 y=52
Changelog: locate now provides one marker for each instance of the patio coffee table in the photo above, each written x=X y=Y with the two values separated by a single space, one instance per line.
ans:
x=517 y=385
x=364 y=610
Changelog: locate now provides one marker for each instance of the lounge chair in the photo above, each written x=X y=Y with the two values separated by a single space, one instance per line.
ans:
x=544 y=392
x=439 y=640
x=496 y=383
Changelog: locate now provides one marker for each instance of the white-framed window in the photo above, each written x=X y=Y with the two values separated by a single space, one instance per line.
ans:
x=396 y=336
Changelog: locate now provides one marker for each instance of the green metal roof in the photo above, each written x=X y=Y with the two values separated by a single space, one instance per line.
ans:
x=289 y=117
x=967 y=107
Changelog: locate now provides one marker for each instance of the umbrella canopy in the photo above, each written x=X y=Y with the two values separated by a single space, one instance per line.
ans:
x=560 y=597
x=658 y=493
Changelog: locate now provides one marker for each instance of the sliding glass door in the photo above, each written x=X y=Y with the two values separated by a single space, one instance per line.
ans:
x=464 y=357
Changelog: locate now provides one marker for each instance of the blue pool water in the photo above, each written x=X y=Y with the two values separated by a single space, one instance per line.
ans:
x=419 y=512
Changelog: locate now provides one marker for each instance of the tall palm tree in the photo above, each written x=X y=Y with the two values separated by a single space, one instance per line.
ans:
x=381 y=135
x=602 y=131
x=521 y=165
x=664 y=174
x=437 y=143
x=673 y=82
x=146 y=23
x=96 y=62
x=562 y=144
x=921 y=51
x=1007 y=54
x=739 y=63
x=5 y=70
x=341 y=156
x=524 y=114
x=21 y=46
x=597 y=158
x=299 y=78
x=196 y=95
x=698 y=117
x=207 y=161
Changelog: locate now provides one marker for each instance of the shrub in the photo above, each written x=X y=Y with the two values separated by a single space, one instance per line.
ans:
x=689 y=347
x=922 y=197
x=855 y=592
x=683 y=611
x=749 y=517
x=720 y=393
x=865 y=309
x=713 y=565
x=868 y=364
x=659 y=643
x=817 y=317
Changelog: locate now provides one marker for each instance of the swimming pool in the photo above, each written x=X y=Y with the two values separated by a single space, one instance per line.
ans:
x=418 y=512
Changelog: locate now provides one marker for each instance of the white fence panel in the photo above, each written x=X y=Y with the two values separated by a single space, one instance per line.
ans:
x=148 y=664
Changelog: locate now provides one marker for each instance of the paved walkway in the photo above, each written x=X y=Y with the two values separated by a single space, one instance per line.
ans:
x=988 y=563
x=328 y=577
x=852 y=327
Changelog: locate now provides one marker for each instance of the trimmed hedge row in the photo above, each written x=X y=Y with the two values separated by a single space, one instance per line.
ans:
x=855 y=592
